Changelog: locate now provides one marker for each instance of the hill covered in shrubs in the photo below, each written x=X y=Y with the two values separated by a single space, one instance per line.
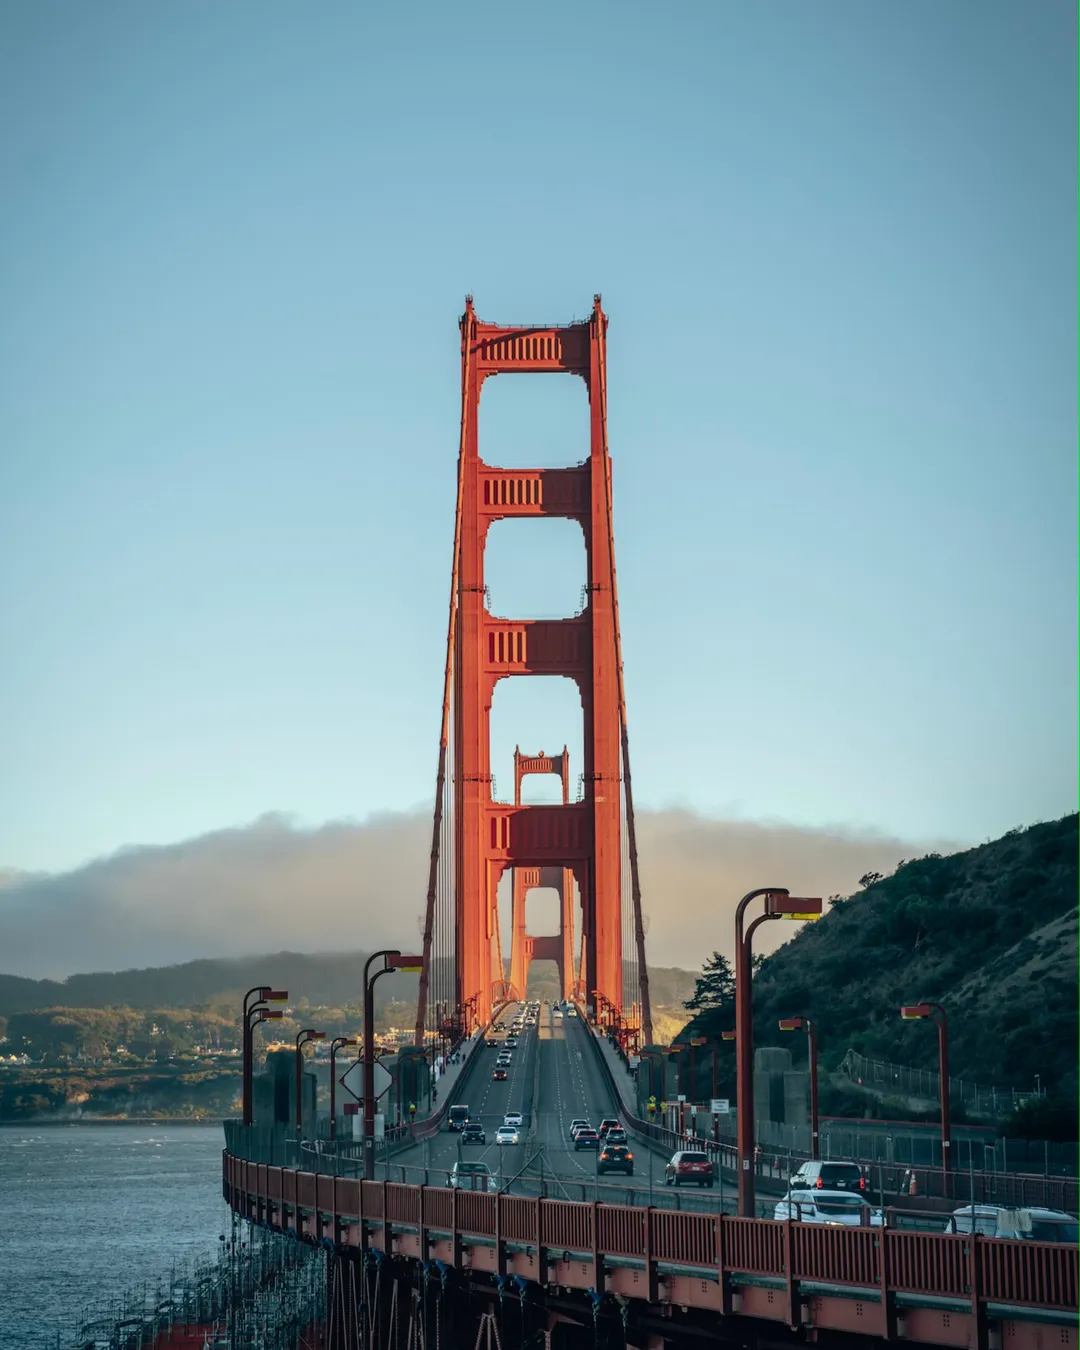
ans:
x=990 y=933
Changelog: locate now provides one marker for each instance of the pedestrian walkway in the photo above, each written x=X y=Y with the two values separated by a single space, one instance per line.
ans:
x=625 y=1083
x=451 y=1074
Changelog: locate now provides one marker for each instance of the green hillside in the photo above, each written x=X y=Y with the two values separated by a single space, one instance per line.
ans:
x=327 y=980
x=991 y=933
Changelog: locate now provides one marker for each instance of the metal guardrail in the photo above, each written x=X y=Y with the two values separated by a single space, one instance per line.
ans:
x=905 y=1081
x=973 y=1269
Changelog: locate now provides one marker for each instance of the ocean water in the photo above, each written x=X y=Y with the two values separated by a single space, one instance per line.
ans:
x=89 y=1211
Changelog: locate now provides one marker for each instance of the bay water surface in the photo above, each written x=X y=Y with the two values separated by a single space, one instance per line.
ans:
x=90 y=1211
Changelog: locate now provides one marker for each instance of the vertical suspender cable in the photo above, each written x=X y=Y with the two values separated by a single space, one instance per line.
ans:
x=448 y=677
x=639 y=931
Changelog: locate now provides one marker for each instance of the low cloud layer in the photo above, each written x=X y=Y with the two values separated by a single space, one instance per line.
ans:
x=270 y=886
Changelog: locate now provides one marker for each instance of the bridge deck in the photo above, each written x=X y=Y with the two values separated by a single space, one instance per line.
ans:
x=666 y=1249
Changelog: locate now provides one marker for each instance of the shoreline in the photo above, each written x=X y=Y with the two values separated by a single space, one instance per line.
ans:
x=51 y=1122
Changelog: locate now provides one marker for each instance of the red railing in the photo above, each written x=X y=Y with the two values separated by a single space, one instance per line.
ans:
x=818 y=1253
x=1015 y=1272
x=517 y=1217
x=683 y=1238
x=620 y=1230
x=967 y=1267
x=929 y=1263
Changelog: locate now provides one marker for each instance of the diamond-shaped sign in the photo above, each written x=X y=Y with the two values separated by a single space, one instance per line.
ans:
x=352 y=1080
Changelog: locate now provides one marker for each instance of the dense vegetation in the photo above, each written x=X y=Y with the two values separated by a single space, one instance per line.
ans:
x=991 y=933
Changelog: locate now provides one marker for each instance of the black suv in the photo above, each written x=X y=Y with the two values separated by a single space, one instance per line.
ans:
x=473 y=1133
x=829 y=1176
x=615 y=1158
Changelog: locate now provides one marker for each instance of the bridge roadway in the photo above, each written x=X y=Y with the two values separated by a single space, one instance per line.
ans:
x=553 y=1079
x=680 y=1279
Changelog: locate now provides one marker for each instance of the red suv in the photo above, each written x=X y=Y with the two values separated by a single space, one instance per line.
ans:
x=689 y=1165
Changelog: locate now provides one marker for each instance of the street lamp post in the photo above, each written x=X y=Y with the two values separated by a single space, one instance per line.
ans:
x=927 y=1010
x=806 y=1024
x=302 y=1038
x=335 y=1046
x=779 y=904
x=259 y=995
x=677 y=1051
x=393 y=960
x=696 y=1040
x=256 y=1014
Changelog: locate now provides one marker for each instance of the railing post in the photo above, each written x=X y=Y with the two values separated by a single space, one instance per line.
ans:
x=539 y=1243
x=500 y=1246
x=651 y=1283
x=888 y=1299
x=791 y=1291
x=978 y=1311
x=457 y=1233
x=598 y=1269
x=423 y=1224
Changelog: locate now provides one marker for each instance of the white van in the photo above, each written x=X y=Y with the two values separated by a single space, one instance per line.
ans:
x=1031 y=1225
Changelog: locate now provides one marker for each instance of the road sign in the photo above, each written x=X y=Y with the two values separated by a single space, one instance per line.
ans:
x=353 y=1079
x=720 y=1106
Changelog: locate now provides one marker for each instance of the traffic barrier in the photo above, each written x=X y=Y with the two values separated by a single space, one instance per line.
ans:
x=968 y=1267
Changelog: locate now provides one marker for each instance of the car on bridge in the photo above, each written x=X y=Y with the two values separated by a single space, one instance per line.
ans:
x=472 y=1176
x=498 y=1075
x=511 y=1042
x=492 y=1042
x=615 y=1158
x=1028 y=1224
x=512 y=1118
x=689 y=1165
x=457 y=1117
x=606 y=1124
x=507 y=1134
x=474 y=1133
x=586 y=1138
x=828 y=1176
x=616 y=1136
x=837 y=1208
x=577 y=1124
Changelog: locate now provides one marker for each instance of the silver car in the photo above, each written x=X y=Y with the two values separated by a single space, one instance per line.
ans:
x=841 y=1209
x=472 y=1176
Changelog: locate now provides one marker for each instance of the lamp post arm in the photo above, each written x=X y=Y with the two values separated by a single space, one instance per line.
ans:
x=740 y=910
x=369 y=1064
x=744 y=1046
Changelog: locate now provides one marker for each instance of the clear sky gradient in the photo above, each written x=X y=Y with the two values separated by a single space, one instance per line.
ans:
x=836 y=241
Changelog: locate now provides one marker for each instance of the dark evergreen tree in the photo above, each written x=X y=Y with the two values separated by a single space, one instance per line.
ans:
x=714 y=991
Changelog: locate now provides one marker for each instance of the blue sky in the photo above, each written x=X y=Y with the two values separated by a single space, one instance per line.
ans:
x=836 y=242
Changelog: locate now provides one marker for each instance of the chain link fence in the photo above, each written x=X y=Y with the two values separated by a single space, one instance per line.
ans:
x=900 y=1080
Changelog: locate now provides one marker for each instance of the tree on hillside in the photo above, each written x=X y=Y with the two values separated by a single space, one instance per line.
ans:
x=714 y=990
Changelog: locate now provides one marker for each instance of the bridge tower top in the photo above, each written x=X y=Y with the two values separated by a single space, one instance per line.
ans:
x=593 y=838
